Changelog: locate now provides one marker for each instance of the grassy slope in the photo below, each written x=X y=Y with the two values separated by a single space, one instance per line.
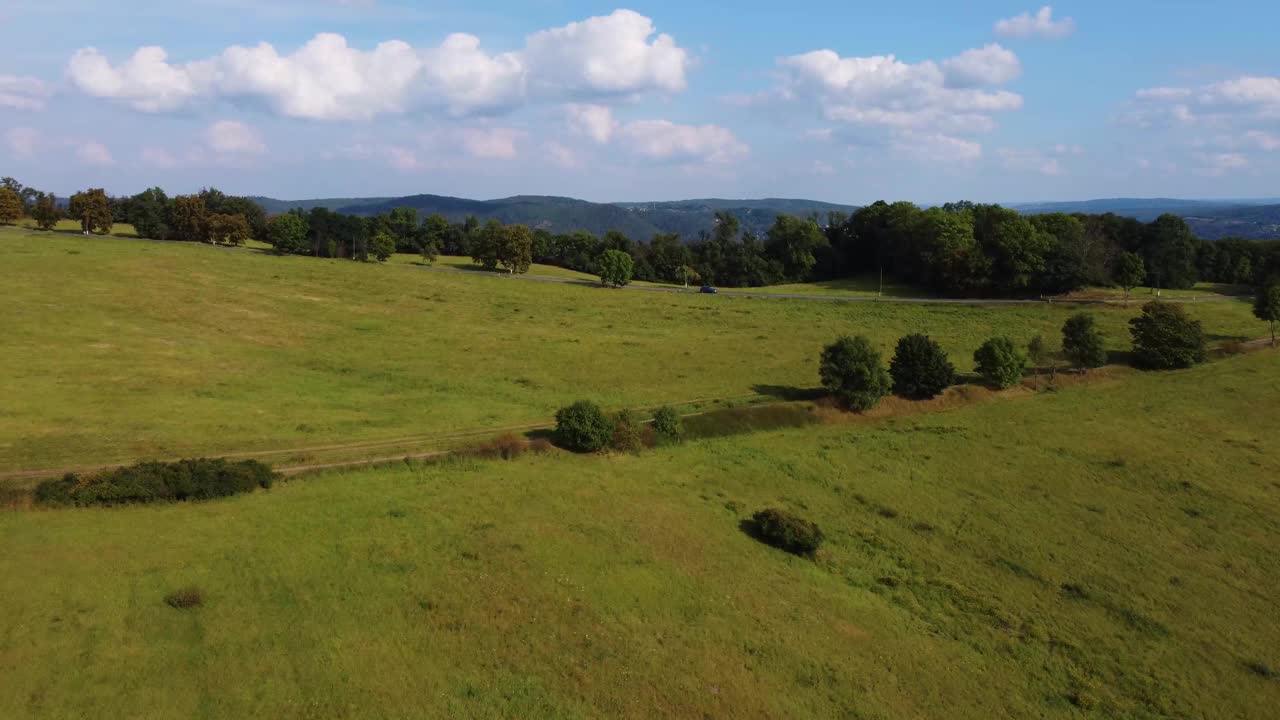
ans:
x=119 y=349
x=568 y=586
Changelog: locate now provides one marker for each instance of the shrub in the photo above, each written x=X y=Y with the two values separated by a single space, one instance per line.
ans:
x=201 y=479
x=1266 y=307
x=185 y=599
x=920 y=369
x=1082 y=343
x=1000 y=362
x=852 y=370
x=1164 y=338
x=668 y=425
x=583 y=427
x=628 y=433
x=785 y=531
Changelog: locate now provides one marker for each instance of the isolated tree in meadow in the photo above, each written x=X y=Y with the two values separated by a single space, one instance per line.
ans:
x=93 y=210
x=1041 y=357
x=583 y=427
x=615 y=268
x=1130 y=272
x=190 y=218
x=515 y=248
x=852 y=370
x=687 y=274
x=45 y=212
x=432 y=237
x=1266 y=306
x=1164 y=338
x=288 y=234
x=223 y=229
x=920 y=368
x=486 y=243
x=1001 y=362
x=667 y=425
x=10 y=206
x=1082 y=343
x=383 y=246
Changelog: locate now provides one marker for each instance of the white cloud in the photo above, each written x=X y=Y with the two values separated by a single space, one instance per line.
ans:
x=594 y=121
x=158 y=158
x=603 y=57
x=935 y=147
x=22 y=93
x=991 y=65
x=1041 y=24
x=561 y=155
x=1224 y=103
x=668 y=141
x=1164 y=93
x=94 y=153
x=1019 y=160
x=23 y=142
x=1219 y=164
x=491 y=143
x=232 y=137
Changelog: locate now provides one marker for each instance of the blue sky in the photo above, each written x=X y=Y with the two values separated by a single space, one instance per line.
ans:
x=839 y=101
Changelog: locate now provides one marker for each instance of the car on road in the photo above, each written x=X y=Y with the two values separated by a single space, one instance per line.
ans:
x=708 y=290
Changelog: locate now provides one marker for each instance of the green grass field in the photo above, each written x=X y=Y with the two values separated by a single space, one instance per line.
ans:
x=124 y=349
x=1105 y=551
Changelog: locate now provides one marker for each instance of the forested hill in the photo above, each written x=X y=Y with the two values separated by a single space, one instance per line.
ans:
x=1208 y=219
x=688 y=218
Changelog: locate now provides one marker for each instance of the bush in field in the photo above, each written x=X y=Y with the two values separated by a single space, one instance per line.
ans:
x=785 y=531
x=149 y=482
x=628 y=432
x=1000 y=362
x=1164 y=338
x=616 y=268
x=185 y=599
x=667 y=425
x=920 y=369
x=1082 y=343
x=583 y=427
x=852 y=370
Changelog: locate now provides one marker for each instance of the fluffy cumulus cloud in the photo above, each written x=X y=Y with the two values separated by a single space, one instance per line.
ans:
x=606 y=57
x=491 y=143
x=666 y=141
x=1227 y=121
x=22 y=93
x=235 y=138
x=1041 y=24
x=594 y=121
x=920 y=108
x=1032 y=161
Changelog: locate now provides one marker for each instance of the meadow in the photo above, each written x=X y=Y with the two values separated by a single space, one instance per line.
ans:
x=123 y=349
x=1103 y=551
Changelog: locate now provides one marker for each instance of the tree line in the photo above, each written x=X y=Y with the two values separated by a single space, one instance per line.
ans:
x=959 y=249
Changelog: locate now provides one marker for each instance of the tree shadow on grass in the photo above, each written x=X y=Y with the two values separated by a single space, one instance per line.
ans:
x=790 y=394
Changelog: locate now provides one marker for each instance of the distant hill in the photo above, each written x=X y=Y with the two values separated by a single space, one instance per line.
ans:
x=559 y=214
x=1209 y=219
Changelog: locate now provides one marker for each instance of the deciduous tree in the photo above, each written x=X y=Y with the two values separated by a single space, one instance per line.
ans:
x=1266 y=306
x=287 y=233
x=615 y=268
x=190 y=218
x=1164 y=338
x=1082 y=343
x=45 y=212
x=93 y=210
x=1001 y=362
x=515 y=248
x=920 y=368
x=10 y=206
x=226 y=229
x=852 y=370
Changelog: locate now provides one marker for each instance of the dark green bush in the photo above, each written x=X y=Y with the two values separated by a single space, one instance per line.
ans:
x=852 y=370
x=583 y=427
x=185 y=599
x=1164 y=338
x=628 y=432
x=785 y=531
x=1000 y=362
x=1082 y=343
x=149 y=482
x=668 y=425
x=920 y=369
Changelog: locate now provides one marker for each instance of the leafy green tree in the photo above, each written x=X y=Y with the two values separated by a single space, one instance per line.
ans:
x=793 y=243
x=149 y=213
x=251 y=211
x=190 y=218
x=668 y=425
x=288 y=234
x=1017 y=248
x=920 y=368
x=1082 y=342
x=852 y=370
x=583 y=427
x=1266 y=306
x=486 y=245
x=45 y=212
x=1000 y=362
x=687 y=274
x=93 y=210
x=1041 y=356
x=949 y=251
x=223 y=229
x=1130 y=272
x=615 y=268
x=1170 y=250
x=1164 y=338
x=383 y=246
x=432 y=237
x=515 y=248
x=402 y=225
x=628 y=432
x=10 y=206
